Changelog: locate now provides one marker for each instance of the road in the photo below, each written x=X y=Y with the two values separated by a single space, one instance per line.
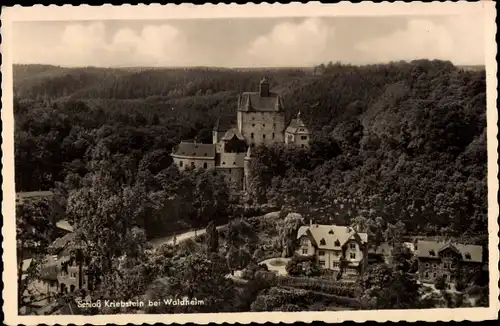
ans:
x=156 y=243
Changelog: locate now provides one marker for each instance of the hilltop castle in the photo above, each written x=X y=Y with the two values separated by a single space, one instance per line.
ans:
x=260 y=121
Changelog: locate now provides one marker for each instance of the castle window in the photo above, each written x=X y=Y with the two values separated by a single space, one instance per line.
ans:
x=274 y=125
x=263 y=125
x=194 y=154
x=192 y=164
x=264 y=136
x=205 y=154
x=253 y=124
x=223 y=163
x=204 y=165
x=253 y=145
x=180 y=163
x=234 y=163
x=251 y=135
x=273 y=135
x=253 y=118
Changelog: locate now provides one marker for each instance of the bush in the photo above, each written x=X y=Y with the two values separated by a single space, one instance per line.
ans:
x=460 y=286
x=441 y=283
x=303 y=266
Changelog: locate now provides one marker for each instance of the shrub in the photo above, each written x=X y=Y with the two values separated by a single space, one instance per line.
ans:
x=303 y=266
x=441 y=283
x=460 y=286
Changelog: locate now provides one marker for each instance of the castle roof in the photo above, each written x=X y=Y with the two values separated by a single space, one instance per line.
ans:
x=432 y=249
x=295 y=124
x=195 y=150
x=231 y=133
x=254 y=101
x=331 y=237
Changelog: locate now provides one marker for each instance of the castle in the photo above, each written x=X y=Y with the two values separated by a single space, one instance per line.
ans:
x=260 y=121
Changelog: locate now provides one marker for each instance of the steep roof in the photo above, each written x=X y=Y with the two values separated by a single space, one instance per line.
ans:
x=222 y=125
x=253 y=101
x=195 y=150
x=231 y=160
x=331 y=234
x=232 y=133
x=295 y=124
x=426 y=248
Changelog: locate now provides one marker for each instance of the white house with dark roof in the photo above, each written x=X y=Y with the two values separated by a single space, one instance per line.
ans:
x=445 y=259
x=332 y=244
x=260 y=121
x=296 y=133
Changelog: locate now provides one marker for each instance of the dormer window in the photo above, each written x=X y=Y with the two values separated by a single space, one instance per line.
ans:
x=432 y=253
x=194 y=154
x=337 y=243
x=330 y=232
x=322 y=242
x=467 y=255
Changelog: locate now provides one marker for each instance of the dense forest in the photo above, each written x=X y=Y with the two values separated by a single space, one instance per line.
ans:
x=399 y=149
x=404 y=141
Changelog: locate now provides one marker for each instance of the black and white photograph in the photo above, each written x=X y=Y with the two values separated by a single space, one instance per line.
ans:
x=163 y=167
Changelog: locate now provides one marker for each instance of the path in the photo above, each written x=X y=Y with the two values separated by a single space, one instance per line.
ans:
x=158 y=242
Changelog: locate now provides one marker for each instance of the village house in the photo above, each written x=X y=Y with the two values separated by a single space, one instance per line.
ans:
x=260 y=120
x=445 y=259
x=335 y=247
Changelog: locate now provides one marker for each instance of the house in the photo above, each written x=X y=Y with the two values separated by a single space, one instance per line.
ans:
x=296 y=133
x=445 y=259
x=336 y=248
x=260 y=120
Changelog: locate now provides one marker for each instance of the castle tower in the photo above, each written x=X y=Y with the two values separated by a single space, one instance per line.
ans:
x=246 y=168
x=261 y=116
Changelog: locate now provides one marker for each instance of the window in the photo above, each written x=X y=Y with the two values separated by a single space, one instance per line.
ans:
x=234 y=163
x=467 y=255
x=337 y=243
x=427 y=265
x=426 y=275
x=432 y=253
x=180 y=164
x=353 y=255
x=433 y=274
x=352 y=245
x=301 y=129
x=435 y=265
x=303 y=137
x=253 y=145
x=223 y=163
x=336 y=253
x=253 y=118
x=273 y=135
x=304 y=251
x=321 y=253
x=330 y=232
x=205 y=154
x=264 y=125
x=251 y=135
x=302 y=146
x=264 y=136
x=322 y=263
x=322 y=242
x=192 y=164
x=205 y=165
x=336 y=264
x=445 y=265
x=253 y=124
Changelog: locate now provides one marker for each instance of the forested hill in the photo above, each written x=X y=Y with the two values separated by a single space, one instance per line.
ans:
x=409 y=137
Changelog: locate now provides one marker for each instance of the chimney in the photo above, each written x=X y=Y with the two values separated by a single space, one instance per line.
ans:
x=310 y=222
x=264 y=88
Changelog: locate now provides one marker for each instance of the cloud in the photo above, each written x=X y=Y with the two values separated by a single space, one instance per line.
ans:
x=459 y=39
x=290 y=44
x=88 y=45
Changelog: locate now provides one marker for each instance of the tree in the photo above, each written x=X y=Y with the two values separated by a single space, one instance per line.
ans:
x=33 y=234
x=287 y=231
x=212 y=238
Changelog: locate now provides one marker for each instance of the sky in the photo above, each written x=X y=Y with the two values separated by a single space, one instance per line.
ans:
x=250 y=42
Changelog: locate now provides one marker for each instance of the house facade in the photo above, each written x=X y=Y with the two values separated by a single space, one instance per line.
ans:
x=336 y=248
x=260 y=121
x=445 y=259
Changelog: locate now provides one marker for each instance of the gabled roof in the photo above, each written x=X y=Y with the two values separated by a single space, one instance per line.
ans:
x=231 y=133
x=331 y=234
x=195 y=150
x=253 y=101
x=426 y=248
x=295 y=124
